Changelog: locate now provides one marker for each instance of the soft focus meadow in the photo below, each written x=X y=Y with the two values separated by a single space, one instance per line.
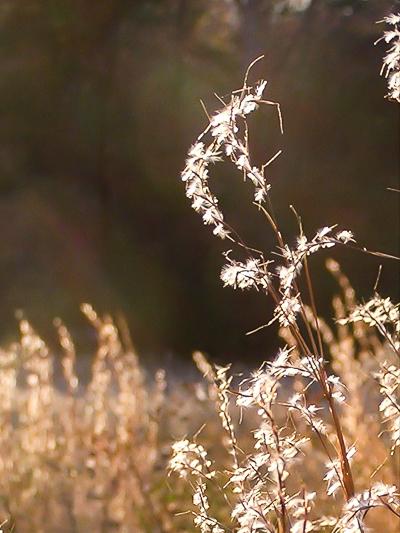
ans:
x=94 y=456
x=309 y=441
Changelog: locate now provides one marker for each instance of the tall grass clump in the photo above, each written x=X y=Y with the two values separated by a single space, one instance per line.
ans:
x=87 y=458
x=326 y=438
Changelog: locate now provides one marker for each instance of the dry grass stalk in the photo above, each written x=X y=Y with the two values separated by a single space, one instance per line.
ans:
x=261 y=491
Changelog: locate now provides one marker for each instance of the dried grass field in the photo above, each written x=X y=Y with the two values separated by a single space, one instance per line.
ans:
x=309 y=441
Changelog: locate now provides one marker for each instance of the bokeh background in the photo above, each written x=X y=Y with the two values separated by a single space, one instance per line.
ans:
x=99 y=103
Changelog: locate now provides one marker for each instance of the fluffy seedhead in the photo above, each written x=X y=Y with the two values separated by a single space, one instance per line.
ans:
x=391 y=61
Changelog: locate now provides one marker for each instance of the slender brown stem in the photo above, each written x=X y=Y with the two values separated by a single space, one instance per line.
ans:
x=348 y=483
x=313 y=306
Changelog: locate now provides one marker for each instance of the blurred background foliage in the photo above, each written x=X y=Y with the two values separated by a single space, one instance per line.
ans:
x=99 y=103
